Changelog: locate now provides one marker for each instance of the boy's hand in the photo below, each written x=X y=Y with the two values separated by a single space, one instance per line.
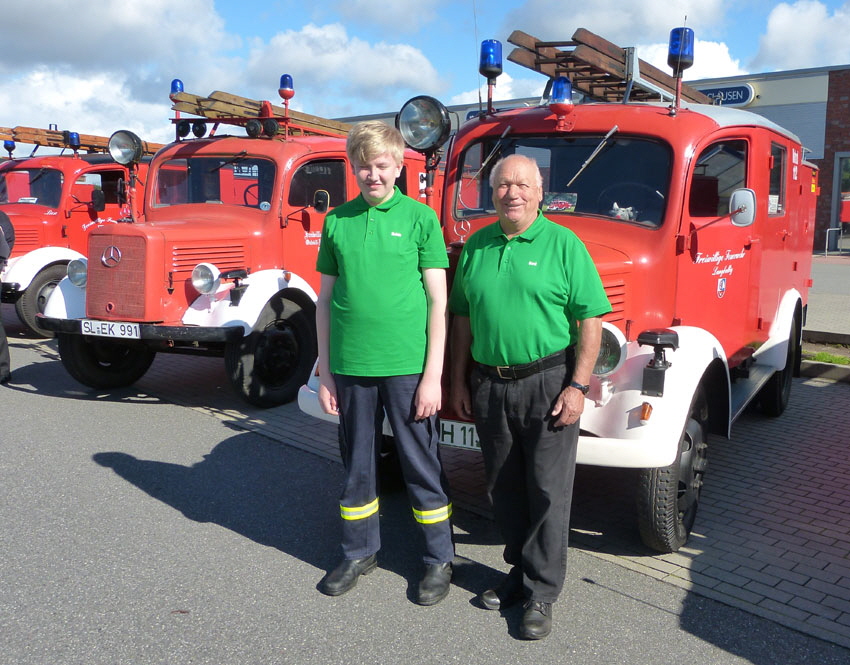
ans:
x=327 y=395
x=428 y=398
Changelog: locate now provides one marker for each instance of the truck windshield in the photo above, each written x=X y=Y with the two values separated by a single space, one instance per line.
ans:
x=228 y=179
x=627 y=179
x=41 y=186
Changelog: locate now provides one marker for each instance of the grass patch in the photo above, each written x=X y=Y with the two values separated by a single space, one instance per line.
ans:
x=824 y=357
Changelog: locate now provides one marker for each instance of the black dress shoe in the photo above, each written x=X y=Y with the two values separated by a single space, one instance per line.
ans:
x=435 y=583
x=5 y=379
x=344 y=577
x=537 y=620
x=509 y=592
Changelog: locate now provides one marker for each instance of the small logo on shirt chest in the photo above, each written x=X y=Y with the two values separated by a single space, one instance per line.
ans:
x=532 y=263
x=395 y=234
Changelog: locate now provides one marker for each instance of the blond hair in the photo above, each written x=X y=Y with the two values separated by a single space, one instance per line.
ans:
x=372 y=138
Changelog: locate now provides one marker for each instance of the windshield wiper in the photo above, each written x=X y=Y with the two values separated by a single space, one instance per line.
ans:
x=497 y=148
x=238 y=157
x=594 y=153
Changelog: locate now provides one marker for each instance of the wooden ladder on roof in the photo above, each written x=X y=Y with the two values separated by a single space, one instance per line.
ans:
x=223 y=107
x=58 y=138
x=598 y=68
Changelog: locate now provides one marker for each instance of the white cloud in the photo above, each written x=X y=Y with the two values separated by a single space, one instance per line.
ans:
x=332 y=69
x=804 y=34
x=711 y=60
x=506 y=88
x=620 y=22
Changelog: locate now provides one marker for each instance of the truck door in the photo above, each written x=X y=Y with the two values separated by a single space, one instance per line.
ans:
x=302 y=223
x=80 y=213
x=717 y=287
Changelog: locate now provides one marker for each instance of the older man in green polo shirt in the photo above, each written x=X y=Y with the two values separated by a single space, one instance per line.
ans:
x=527 y=301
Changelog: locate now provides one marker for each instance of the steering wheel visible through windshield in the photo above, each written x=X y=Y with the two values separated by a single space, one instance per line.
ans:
x=613 y=176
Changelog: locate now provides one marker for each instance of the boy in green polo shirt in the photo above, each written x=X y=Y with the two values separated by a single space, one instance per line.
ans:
x=381 y=322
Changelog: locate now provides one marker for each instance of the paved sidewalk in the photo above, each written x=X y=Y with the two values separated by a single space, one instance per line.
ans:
x=773 y=533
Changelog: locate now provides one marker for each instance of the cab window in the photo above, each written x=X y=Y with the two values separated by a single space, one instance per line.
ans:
x=776 y=195
x=720 y=170
x=327 y=174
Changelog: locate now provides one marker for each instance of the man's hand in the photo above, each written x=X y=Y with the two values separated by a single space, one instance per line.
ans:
x=461 y=399
x=568 y=407
x=327 y=395
x=428 y=399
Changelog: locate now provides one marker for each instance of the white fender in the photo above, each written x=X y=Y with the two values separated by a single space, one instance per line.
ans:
x=216 y=309
x=612 y=409
x=23 y=268
x=774 y=352
x=66 y=302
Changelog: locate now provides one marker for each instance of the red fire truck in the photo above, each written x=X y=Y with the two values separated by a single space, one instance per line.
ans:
x=53 y=202
x=224 y=261
x=700 y=220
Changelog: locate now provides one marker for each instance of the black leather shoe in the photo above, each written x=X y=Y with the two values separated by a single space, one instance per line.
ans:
x=344 y=577
x=509 y=592
x=537 y=620
x=435 y=583
x=5 y=379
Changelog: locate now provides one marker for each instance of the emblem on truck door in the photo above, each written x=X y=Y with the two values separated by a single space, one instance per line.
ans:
x=111 y=256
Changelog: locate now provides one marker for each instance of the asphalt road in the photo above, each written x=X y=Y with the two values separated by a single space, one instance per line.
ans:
x=139 y=531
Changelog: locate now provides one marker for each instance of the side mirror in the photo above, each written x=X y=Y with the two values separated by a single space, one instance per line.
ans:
x=742 y=207
x=98 y=200
x=321 y=201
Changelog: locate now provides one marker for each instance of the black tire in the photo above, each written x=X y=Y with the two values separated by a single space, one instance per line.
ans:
x=668 y=497
x=776 y=393
x=268 y=366
x=35 y=296
x=101 y=362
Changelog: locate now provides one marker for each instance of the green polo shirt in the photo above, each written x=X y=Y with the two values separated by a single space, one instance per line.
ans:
x=524 y=295
x=378 y=308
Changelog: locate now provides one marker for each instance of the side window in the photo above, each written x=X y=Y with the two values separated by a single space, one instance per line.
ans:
x=720 y=170
x=109 y=182
x=776 y=196
x=327 y=174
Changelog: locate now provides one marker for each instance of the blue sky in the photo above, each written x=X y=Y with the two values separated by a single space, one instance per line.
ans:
x=95 y=66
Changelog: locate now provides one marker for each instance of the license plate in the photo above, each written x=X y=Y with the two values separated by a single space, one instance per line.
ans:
x=110 y=329
x=458 y=434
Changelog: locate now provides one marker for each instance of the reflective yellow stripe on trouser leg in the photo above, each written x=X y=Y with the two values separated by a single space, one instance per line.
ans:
x=359 y=512
x=433 y=516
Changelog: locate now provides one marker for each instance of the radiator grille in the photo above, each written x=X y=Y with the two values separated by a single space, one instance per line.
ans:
x=26 y=239
x=615 y=289
x=116 y=293
x=224 y=257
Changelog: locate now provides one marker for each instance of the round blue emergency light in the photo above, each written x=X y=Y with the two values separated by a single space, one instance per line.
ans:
x=176 y=86
x=74 y=140
x=561 y=97
x=286 y=89
x=490 y=63
x=680 y=55
x=9 y=146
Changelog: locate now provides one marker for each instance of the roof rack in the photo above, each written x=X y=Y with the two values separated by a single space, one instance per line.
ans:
x=598 y=68
x=58 y=138
x=222 y=107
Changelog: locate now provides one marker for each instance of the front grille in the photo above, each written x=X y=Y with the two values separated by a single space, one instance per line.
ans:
x=224 y=257
x=26 y=240
x=116 y=293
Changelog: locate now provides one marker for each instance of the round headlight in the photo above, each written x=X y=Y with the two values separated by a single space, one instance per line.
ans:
x=424 y=123
x=125 y=147
x=78 y=272
x=612 y=352
x=205 y=278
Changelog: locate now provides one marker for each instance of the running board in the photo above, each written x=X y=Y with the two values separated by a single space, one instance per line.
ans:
x=745 y=390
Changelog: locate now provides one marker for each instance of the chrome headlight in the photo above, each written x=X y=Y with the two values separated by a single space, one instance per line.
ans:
x=424 y=123
x=612 y=352
x=125 y=147
x=78 y=270
x=206 y=278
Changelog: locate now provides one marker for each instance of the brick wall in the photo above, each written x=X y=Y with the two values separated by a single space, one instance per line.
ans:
x=836 y=139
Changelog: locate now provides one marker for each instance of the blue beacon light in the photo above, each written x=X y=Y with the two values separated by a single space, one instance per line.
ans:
x=9 y=146
x=286 y=89
x=680 y=55
x=176 y=87
x=74 y=140
x=490 y=63
x=561 y=102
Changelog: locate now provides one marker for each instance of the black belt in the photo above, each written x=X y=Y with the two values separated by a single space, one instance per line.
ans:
x=522 y=371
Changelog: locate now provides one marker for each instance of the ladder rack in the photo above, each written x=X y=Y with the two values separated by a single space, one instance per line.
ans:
x=598 y=68
x=57 y=138
x=223 y=107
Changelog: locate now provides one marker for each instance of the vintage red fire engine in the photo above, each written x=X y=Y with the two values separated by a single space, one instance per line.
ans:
x=224 y=261
x=700 y=220
x=53 y=202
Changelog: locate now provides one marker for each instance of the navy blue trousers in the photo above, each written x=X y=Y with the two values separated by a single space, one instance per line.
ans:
x=530 y=468
x=362 y=403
